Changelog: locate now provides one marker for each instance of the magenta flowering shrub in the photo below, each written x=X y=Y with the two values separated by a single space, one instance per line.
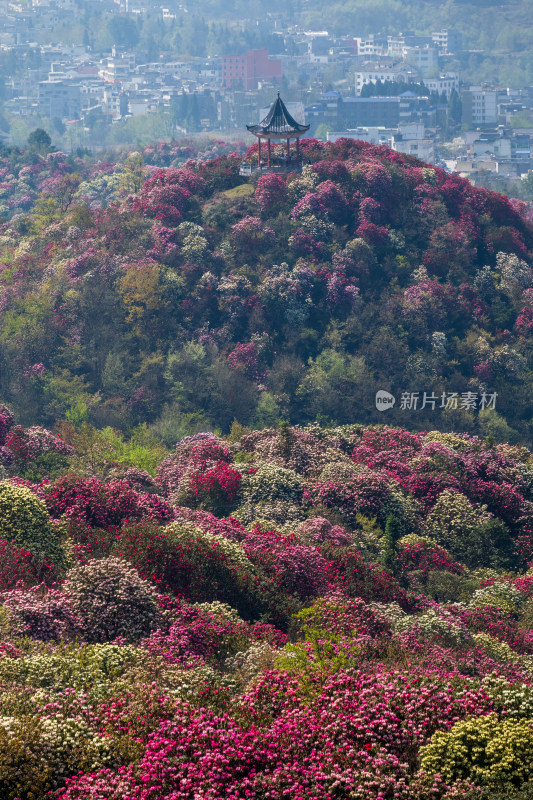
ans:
x=24 y=446
x=189 y=563
x=524 y=321
x=138 y=479
x=41 y=613
x=192 y=454
x=7 y=419
x=245 y=357
x=336 y=615
x=426 y=556
x=164 y=194
x=205 y=632
x=230 y=527
x=20 y=566
x=499 y=623
x=103 y=504
x=349 y=573
x=370 y=493
x=292 y=566
x=271 y=194
x=318 y=530
x=325 y=200
x=251 y=234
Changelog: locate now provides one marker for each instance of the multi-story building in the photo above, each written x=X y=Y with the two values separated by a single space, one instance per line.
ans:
x=111 y=101
x=414 y=145
x=408 y=138
x=444 y=84
x=423 y=58
x=246 y=71
x=447 y=41
x=369 y=111
x=118 y=67
x=373 y=73
x=373 y=45
x=480 y=106
x=59 y=99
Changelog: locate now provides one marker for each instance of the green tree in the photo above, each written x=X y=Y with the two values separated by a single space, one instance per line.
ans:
x=393 y=534
x=40 y=141
x=133 y=174
x=455 y=107
x=527 y=186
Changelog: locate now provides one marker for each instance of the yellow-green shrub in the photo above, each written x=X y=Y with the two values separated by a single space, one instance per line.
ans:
x=24 y=519
x=24 y=772
x=483 y=750
x=71 y=666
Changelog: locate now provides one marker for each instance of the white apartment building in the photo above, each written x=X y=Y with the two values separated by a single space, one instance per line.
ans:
x=444 y=84
x=375 y=73
x=480 y=106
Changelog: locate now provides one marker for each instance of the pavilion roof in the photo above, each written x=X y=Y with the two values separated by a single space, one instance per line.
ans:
x=278 y=121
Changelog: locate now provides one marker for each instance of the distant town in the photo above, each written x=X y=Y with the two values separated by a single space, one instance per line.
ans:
x=398 y=90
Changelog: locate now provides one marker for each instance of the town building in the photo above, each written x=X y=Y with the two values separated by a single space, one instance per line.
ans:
x=59 y=100
x=246 y=71
x=480 y=106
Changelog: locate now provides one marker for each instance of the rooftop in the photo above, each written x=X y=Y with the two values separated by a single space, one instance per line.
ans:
x=278 y=121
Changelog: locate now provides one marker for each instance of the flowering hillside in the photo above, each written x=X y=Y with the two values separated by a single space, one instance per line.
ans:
x=294 y=612
x=166 y=289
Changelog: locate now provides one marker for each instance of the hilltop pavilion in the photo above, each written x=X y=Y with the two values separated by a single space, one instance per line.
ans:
x=278 y=125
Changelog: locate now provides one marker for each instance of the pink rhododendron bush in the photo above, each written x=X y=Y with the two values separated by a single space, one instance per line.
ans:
x=314 y=613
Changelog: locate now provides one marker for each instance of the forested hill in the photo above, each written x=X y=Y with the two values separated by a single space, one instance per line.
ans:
x=188 y=297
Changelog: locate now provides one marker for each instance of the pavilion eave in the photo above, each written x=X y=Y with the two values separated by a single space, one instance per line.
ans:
x=292 y=134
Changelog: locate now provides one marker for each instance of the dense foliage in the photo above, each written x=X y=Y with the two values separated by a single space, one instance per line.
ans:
x=328 y=610
x=187 y=296
x=354 y=621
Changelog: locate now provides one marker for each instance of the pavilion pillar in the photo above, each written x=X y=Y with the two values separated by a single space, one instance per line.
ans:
x=259 y=152
x=268 y=162
x=288 y=148
x=298 y=149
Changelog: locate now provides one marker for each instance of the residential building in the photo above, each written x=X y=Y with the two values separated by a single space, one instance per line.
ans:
x=111 y=101
x=447 y=41
x=422 y=147
x=370 y=111
x=411 y=139
x=372 y=73
x=480 y=106
x=425 y=59
x=59 y=99
x=246 y=71
x=444 y=84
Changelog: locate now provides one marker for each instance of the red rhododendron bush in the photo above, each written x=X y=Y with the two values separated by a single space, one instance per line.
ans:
x=292 y=612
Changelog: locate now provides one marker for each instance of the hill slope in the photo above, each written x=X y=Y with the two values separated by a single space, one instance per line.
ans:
x=357 y=628
x=201 y=299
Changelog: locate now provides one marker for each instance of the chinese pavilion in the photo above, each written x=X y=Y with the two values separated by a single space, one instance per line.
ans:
x=278 y=125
